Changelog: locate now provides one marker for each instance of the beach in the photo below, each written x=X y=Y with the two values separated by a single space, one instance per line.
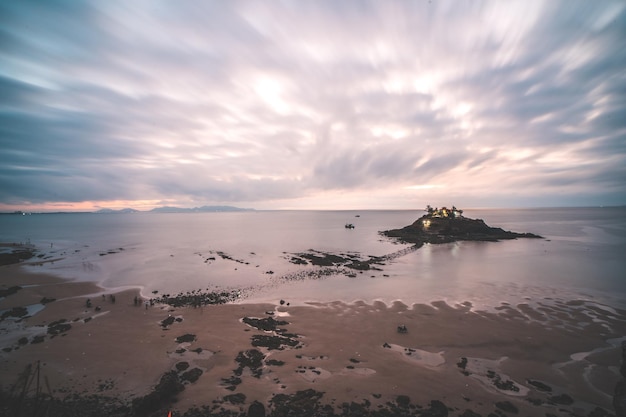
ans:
x=543 y=357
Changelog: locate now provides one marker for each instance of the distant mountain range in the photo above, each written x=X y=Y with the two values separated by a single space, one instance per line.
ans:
x=203 y=209
x=166 y=209
x=107 y=211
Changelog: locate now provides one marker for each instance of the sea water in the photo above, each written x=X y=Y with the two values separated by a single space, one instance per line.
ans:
x=582 y=255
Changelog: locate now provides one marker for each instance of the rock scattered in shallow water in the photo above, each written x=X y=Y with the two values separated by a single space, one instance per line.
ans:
x=191 y=375
x=182 y=366
x=58 y=327
x=267 y=324
x=274 y=342
x=186 y=338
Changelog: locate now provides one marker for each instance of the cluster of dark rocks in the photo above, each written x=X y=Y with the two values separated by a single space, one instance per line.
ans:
x=227 y=257
x=74 y=405
x=58 y=327
x=18 y=253
x=305 y=403
x=268 y=324
x=310 y=403
x=161 y=396
x=15 y=312
x=187 y=376
x=165 y=323
x=253 y=359
x=111 y=251
x=21 y=312
x=347 y=260
x=9 y=291
x=186 y=338
x=543 y=394
x=279 y=340
x=275 y=342
x=198 y=298
x=54 y=329
x=165 y=392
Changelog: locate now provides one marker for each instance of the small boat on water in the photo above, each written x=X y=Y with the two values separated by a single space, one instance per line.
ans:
x=349 y=226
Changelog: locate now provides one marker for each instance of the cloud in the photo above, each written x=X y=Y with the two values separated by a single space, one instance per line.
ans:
x=273 y=104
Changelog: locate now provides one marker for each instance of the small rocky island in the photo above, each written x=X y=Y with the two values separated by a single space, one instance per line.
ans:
x=446 y=225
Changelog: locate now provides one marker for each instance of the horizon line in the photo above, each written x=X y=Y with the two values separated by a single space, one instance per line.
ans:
x=193 y=210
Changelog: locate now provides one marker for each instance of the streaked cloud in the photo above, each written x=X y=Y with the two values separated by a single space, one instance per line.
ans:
x=312 y=104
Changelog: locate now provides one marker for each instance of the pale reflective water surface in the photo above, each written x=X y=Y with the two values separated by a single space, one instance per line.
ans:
x=583 y=255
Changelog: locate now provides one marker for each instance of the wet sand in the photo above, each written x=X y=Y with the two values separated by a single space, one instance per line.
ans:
x=545 y=356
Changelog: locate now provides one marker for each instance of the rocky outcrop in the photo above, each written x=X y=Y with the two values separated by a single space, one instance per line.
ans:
x=186 y=338
x=9 y=291
x=164 y=393
x=429 y=229
x=256 y=409
x=18 y=254
x=268 y=324
x=251 y=359
x=191 y=376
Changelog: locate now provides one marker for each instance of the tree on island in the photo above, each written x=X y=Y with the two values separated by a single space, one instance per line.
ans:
x=444 y=212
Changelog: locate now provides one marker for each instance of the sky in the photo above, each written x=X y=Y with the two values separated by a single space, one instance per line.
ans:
x=312 y=104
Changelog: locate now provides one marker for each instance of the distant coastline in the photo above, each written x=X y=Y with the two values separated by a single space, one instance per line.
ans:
x=173 y=209
x=163 y=209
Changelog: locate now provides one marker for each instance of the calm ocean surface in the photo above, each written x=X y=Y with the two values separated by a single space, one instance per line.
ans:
x=583 y=255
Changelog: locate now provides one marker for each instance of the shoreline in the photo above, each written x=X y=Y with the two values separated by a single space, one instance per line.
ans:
x=350 y=352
